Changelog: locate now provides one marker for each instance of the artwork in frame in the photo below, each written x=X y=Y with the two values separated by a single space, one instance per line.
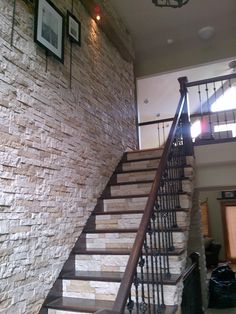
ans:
x=228 y=194
x=73 y=28
x=49 y=28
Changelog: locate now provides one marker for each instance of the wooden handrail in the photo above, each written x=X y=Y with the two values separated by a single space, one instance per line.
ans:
x=211 y=80
x=195 y=263
x=127 y=280
x=155 y=121
x=194 y=115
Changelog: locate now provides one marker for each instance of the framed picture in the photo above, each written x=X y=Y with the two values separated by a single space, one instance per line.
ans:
x=73 y=28
x=228 y=194
x=49 y=28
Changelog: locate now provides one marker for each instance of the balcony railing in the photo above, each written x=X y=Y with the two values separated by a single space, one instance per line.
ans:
x=212 y=112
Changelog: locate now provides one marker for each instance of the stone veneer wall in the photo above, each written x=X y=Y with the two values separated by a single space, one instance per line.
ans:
x=58 y=148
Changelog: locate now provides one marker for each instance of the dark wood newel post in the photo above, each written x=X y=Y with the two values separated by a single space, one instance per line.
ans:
x=188 y=144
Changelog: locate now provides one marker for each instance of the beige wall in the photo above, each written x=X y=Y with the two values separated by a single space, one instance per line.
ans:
x=216 y=165
x=215 y=172
x=215 y=218
x=58 y=148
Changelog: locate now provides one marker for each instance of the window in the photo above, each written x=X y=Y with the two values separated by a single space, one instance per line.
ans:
x=226 y=101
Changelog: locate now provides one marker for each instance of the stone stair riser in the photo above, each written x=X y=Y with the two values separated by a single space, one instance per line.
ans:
x=144 y=154
x=124 y=204
x=144 y=188
x=117 y=263
x=137 y=165
x=131 y=189
x=100 y=290
x=127 y=221
x=135 y=176
x=126 y=240
x=146 y=175
x=138 y=203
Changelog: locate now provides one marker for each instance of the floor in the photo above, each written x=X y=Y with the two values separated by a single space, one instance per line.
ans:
x=223 y=311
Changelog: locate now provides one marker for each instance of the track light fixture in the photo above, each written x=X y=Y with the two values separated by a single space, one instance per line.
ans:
x=170 y=3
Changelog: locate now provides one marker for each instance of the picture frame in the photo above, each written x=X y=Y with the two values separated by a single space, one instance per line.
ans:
x=228 y=194
x=49 y=28
x=73 y=28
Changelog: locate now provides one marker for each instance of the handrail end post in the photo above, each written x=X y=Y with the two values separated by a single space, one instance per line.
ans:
x=195 y=256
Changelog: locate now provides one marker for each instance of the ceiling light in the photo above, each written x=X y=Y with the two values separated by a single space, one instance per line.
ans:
x=170 y=3
x=206 y=32
x=170 y=41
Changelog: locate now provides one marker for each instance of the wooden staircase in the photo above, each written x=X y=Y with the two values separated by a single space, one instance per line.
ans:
x=90 y=279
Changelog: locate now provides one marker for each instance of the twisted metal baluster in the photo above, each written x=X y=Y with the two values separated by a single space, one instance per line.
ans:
x=150 y=233
x=136 y=285
x=130 y=304
x=147 y=272
x=141 y=265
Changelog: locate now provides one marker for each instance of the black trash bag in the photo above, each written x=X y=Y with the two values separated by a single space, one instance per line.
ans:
x=222 y=288
x=223 y=273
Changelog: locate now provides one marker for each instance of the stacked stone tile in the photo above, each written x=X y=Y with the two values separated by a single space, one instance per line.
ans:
x=58 y=147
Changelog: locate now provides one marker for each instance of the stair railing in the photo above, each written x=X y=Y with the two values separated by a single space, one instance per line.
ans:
x=216 y=120
x=142 y=286
x=192 y=296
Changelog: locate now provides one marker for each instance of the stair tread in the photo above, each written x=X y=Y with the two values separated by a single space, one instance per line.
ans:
x=103 y=197
x=145 y=169
x=109 y=276
x=146 y=181
x=130 y=212
x=118 y=251
x=130 y=230
x=91 y=306
x=118 y=212
x=144 y=150
x=139 y=159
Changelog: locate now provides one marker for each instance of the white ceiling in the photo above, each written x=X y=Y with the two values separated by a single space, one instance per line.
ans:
x=151 y=27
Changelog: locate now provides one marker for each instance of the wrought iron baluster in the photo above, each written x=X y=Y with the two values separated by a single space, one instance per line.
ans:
x=130 y=304
x=209 y=130
x=225 y=112
x=141 y=265
x=150 y=233
x=136 y=285
x=158 y=133
x=147 y=272
x=217 y=114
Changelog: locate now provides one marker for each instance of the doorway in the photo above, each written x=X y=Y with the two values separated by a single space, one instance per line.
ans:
x=229 y=218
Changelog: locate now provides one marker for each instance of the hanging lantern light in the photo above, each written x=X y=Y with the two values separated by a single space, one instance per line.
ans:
x=170 y=3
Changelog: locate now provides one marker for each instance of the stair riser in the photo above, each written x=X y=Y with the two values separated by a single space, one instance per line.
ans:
x=124 y=204
x=144 y=154
x=100 y=290
x=117 y=263
x=135 y=176
x=145 y=188
x=131 y=189
x=139 y=203
x=126 y=240
x=146 y=175
x=139 y=165
x=127 y=221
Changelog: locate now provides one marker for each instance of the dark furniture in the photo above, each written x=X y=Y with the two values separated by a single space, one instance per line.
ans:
x=212 y=251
